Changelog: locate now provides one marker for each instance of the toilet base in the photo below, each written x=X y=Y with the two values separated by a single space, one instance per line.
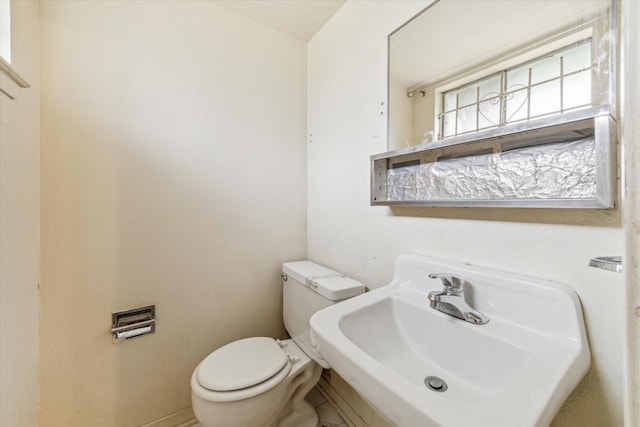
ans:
x=298 y=412
x=281 y=406
x=305 y=416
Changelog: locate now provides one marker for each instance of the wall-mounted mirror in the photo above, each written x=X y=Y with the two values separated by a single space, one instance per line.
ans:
x=462 y=66
x=502 y=103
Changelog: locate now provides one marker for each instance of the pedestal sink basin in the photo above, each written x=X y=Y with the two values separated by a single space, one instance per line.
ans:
x=421 y=367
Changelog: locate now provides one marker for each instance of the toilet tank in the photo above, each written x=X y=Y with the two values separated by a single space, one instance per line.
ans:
x=307 y=288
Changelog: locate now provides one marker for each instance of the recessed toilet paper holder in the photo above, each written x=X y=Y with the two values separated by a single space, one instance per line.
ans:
x=133 y=323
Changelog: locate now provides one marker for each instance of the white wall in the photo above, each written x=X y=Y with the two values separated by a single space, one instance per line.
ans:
x=630 y=109
x=173 y=173
x=347 y=65
x=19 y=224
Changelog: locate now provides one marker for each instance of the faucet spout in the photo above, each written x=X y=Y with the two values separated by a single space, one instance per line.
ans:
x=451 y=300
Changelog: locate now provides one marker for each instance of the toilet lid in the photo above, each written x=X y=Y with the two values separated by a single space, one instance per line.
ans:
x=241 y=364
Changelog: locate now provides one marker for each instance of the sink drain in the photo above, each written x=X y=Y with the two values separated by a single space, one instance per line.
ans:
x=435 y=384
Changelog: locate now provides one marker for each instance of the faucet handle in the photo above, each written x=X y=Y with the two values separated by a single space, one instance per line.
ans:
x=451 y=283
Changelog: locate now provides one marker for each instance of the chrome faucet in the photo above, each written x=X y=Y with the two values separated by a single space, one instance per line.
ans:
x=451 y=300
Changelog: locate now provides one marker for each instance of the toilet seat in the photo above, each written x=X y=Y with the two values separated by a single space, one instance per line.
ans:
x=240 y=366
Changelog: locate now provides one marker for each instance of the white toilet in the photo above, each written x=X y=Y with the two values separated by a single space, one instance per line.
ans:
x=259 y=381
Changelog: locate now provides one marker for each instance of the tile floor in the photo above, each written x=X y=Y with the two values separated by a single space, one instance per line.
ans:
x=327 y=414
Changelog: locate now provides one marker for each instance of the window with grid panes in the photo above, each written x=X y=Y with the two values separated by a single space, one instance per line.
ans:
x=552 y=84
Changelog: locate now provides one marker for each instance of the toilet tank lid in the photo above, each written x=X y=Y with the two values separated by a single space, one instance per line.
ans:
x=328 y=283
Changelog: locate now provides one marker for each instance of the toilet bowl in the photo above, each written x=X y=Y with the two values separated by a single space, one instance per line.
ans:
x=260 y=381
x=239 y=403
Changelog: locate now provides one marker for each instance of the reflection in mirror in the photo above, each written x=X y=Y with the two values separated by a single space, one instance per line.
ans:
x=465 y=66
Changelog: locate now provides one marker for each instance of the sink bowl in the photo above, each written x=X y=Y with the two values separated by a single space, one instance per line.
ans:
x=515 y=370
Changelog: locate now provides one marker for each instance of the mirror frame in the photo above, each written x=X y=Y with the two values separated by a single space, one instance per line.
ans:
x=600 y=122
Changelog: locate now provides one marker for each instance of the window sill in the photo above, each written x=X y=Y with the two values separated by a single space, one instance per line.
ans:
x=12 y=73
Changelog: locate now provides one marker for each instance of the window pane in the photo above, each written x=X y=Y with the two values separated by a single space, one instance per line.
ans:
x=518 y=78
x=577 y=58
x=576 y=90
x=545 y=98
x=489 y=114
x=467 y=95
x=449 y=124
x=546 y=69
x=517 y=105
x=489 y=88
x=450 y=100
x=467 y=119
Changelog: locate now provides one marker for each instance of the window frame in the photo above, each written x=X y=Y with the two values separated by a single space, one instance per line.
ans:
x=505 y=92
x=6 y=66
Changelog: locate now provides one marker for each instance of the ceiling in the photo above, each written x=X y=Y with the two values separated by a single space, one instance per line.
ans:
x=298 y=18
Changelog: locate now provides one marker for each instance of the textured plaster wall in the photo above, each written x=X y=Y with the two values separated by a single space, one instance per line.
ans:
x=173 y=173
x=19 y=218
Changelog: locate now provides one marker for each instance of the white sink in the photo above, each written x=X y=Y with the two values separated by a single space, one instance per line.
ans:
x=515 y=370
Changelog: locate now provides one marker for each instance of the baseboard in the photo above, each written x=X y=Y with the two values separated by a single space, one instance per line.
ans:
x=347 y=413
x=355 y=411
x=182 y=418
x=189 y=423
